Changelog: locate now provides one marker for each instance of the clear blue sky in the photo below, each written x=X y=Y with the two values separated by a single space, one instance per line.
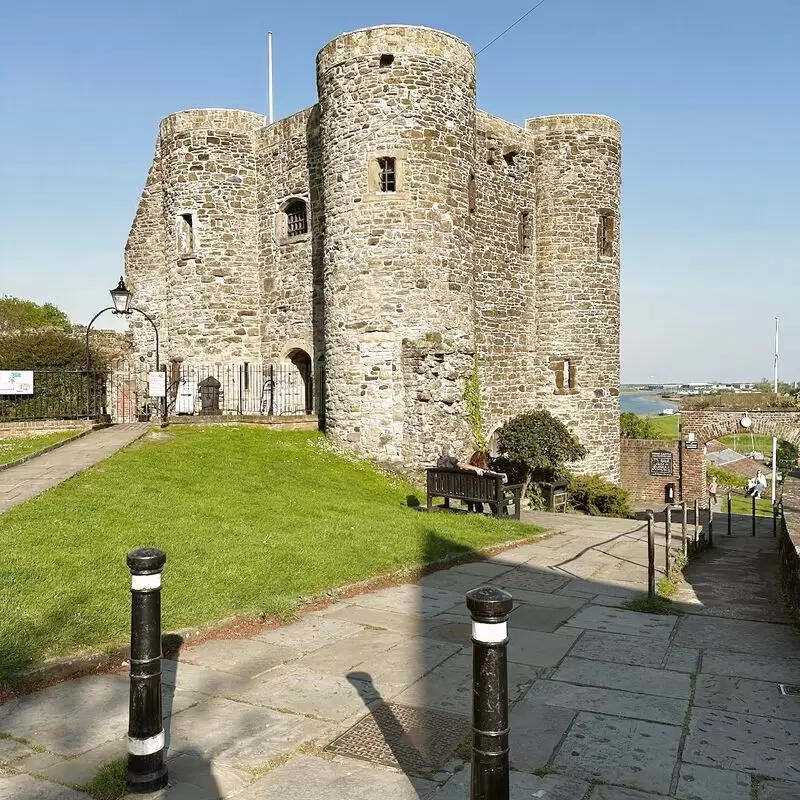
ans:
x=706 y=91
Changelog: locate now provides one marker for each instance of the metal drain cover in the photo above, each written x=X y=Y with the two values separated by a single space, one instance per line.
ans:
x=789 y=689
x=417 y=740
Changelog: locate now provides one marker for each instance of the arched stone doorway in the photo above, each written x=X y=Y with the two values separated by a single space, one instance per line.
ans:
x=295 y=384
x=711 y=424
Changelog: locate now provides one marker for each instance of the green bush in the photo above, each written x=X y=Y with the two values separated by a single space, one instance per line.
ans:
x=726 y=478
x=632 y=426
x=599 y=497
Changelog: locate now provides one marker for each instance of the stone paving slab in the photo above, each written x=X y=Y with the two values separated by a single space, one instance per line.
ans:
x=620 y=649
x=240 y=735
x=738 y=742
x=24 y=787
x=738 y=636
x=641 y=680
x=310 y=633
x=616 y=750
x=532 y=579
x=760 y=667
x=609 y=701
x=407 y=662
x=540 y=649
x=76 y=716
x=311 y=778
x=706 y=783
x=535 y=618
x=745 y=696
x=536 y=732
x=682 y=659
x=194 y=678
x=777 y=790
x=522 y=787
x=458 y=582
x=342 y=656
x=409 y=624
x=621 y=793
x=409 y=599
x=239 y=656
x=305 y=691
x=80 y=770
x=613 y=620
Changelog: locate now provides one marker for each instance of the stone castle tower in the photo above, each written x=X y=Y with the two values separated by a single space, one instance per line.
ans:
x=418 y=252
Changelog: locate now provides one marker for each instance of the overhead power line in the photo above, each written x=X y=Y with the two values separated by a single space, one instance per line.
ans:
x=510 y=27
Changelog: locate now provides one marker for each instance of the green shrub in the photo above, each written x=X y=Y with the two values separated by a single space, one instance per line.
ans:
x=599 y=497
x=726 y=478
x=632 y=426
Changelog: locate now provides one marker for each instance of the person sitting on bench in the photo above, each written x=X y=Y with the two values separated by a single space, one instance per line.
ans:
x=478 y=462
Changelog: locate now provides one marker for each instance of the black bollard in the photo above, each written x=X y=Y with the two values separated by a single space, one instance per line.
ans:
x=489 y=608
x=754 y=515
x=696 y=522
x=684 y=529
x=651 y=557
x=667 y=539
x=774 y=520
x=729 y=513
x=146 y=769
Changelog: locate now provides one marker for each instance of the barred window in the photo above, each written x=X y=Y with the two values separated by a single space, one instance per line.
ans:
x=296 y=218
x=388 y=174
x=605 y=235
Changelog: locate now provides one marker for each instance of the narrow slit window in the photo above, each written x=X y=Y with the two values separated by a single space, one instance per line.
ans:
x=525 y=237
x=296 y=218
x=246 y=376
x=605 y=236
x=185 y=230
x=472 y=194
x=387 y=173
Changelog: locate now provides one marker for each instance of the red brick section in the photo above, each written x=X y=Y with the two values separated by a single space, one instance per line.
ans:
x=646 y=488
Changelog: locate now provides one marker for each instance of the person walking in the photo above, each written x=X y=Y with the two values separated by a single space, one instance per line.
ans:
x=712 y=491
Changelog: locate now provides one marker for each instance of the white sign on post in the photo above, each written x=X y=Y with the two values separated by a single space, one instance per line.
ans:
x=157 y=384
x=14 y=381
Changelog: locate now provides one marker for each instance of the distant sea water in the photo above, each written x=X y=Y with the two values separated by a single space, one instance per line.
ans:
x=643 y=403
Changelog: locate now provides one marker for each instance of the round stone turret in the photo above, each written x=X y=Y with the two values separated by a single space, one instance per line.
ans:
x=397 y=129
x=577 y=161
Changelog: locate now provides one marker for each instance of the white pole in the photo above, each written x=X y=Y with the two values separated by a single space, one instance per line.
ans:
x=774 y=439
x=269 y=75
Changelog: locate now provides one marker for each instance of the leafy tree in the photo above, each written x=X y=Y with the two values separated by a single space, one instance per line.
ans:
x=540 y=444
x=42 y=350
x=632 y=426
x=19 y=316
x=786 y=457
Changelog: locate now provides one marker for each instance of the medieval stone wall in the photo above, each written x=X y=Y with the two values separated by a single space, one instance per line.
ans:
x=485 y=252
x=577 y=288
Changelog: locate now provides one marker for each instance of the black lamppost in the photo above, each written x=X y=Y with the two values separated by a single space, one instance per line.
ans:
x=121 y=299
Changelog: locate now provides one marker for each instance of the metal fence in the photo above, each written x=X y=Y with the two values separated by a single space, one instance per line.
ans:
x=122 y=393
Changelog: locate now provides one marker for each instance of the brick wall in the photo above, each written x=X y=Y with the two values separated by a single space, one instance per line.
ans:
x=646 y=488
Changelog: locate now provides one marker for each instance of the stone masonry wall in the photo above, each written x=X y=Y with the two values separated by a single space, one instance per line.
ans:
x=504 y=259
x=209 y=171
x=396 y=264
x=711 y=424
x=577 y=288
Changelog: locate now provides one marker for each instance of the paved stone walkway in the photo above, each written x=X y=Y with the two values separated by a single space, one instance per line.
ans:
x=21 y=483
x=607 y=704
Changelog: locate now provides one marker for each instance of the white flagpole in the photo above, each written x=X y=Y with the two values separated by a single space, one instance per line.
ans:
x=774 y=439
x=270 y=118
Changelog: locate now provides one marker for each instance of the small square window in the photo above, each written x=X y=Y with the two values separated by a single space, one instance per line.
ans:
x=387 y=174
x=296 y=218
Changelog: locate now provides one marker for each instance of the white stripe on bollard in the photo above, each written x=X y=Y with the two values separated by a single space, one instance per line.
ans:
x=489 y=632
x=146 y=747
x=146 y=581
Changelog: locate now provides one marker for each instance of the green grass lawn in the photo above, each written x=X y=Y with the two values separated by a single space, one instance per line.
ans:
x=666 y=426
x=744 y=505
x=252 y=521
x=14 y=447
x=743 y=443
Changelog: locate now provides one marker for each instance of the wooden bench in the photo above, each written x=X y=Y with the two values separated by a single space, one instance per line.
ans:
x=473 y=488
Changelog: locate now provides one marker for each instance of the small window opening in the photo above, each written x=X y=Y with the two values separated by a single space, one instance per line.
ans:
x=510 y=157
x=246 y=376
x=525 y=233
x=388 y=174
x=387 y=59
x=296 y=218
x=185 y=226
x=605 y=235
x=472 y=193
x=566 y=375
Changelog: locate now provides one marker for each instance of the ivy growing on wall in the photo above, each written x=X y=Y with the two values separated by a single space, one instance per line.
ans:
x=472 y=397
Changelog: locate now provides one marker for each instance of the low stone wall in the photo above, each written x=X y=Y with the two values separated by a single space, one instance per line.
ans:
x=789 y=545
x=688 y=473
x=28 y=427
x=301 y=423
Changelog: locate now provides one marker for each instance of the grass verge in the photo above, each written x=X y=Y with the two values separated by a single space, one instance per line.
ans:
x=109 y=782
x=253 y=522
x=652 y=605
x=666 y=426
x=14 y=447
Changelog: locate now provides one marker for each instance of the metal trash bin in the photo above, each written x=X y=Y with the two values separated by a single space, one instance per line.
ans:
x=555 y=494
x=209 y=395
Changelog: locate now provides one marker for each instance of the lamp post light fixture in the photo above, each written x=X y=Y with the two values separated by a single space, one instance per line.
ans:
x=121 y=298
